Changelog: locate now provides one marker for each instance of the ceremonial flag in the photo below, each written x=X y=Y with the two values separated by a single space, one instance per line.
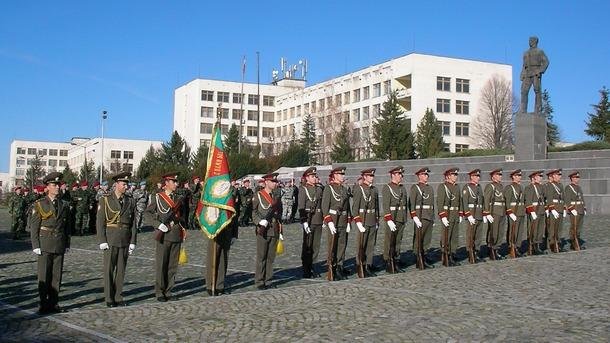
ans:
x=216 y=206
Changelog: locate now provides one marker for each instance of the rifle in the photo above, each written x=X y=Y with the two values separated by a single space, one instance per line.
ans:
x=490 y=240
x=530 y=237
x=360 y=255
x=445 y=252
x=330 y=276
x=574 y=233
x=419 y=254
x=470 y=242
x=392 y=252
x=512 y=238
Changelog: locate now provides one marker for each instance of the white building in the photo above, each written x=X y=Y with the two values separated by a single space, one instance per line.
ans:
x=118 y=154
x=451 y=87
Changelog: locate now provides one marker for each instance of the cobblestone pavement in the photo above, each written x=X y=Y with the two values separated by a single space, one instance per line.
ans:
x=561 y=297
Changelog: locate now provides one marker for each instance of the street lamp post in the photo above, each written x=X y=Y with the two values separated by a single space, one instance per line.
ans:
x=104 y=116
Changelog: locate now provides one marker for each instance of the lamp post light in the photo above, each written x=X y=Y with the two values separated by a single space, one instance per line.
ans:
x=104 y=116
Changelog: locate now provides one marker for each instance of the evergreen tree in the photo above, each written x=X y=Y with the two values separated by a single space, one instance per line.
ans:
x=35 y=173
x=308 y=140
x=148 y=163
x=552 y=130
x=87 y=171
x=232 y=139
x=175 y=155
x=106 y=175
x=69 y=176
x=598 y=125
x=294 y=156
x=392 y=132
x=200 y=161
x=342 y=151
x=429 y=137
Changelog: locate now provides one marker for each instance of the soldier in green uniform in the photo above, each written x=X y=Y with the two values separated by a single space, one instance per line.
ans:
x=494 y=213
x=310 y=215
x=553 y=195
x=336 y=212
x=533 y=197
x=117 y=236
x=449 y=207
x=421 y=208
x=245 y=202
x=575 y=202
x=171 y=214
x=50 y=241
x=17 y=210
x=365 y=208
x=472 y=205
x=394 y=212
x=266 y=214
x=84 y=204
x=516 y=233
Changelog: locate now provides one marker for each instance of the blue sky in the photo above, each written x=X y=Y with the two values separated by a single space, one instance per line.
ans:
x=63 y=62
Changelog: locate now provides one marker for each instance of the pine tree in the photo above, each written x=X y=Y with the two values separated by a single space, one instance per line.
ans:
x=342 y=151
x=35 y=173
x=232 y=139
x=87 y=171
x=552 y=130
x=148 y=163
x=200 y=160
x=175 y=156
x=69 y=177
x=308 y=140
x=429 y=137
x=392 y=132
x=598 y=125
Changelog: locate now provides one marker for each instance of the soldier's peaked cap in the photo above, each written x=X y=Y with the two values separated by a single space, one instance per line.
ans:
x=310 y=171
x=424 y=170
x=554 y=171
x=271 y=177
x=537 y=172
x=398 y=169
x=54 y=177
x=475 y=172
x=516 y=172
x=369 y=171
x=338 y=170
x=574 y=174
x=495 y=171
x=451 y=171
x=121 y=177
x=170 y=176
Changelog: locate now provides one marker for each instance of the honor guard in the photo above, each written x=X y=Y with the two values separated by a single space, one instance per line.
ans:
x=516 y=233
x=394 y=212
x=117 y=233
x=534 y=207
x=494 y=213
x=448 y=204
x=575 y=202
x=472 y=205
x=553 y=194
x=266 y=214
x=421 y=208
x=50 y=241
x=310 y=215
x=335 y=208
x=365 y=208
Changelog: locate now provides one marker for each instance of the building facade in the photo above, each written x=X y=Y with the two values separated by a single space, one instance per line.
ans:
x=451 y=87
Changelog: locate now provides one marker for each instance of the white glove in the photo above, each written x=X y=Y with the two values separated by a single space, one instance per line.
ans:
x=263 y=222
x=546 y=212
x=513 y=217
x=565 y=213
x=332 y=228
x=417 y=222
x=490 y=218
x=555 y=213
x=445 y=221
x=534 y=216
x=348 y=228
x=306 y=228
x=471 y=220
x=360 y=227
x=574 y=213
x=585 y=212
x=104 y=246
x=484 y=219
x=233 y=240
x=461 y=219
x=37 y=251
x=391 y=225
x=163 y=227
x=281 y=237
x=67 y=251
x=132 y=247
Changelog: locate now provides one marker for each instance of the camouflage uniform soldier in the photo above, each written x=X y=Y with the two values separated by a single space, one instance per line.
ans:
x=310 y=215
x=266 y=214
x=494 y=213
x=17 y=210
x=394 y=211
x=449 y=207
x=365 y=209
x=336 y=212
x=577 y=209
x=515 y=210
x=245 y=200
x=287 y=200
x=198 y=187
x=421 y=207
x=140 y=196
x=472 y=205
x=534 y=206
x=553 y=194
x=84 y=204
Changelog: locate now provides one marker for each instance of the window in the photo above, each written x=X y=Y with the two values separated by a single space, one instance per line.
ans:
x=313 y=107
x=268 y=117
x=321 y=122
x=128 y=155
x=278 y=131
x=462 y=107
x=42 y=152
x=224 y=113
x=376 y=110
x=346 y=99
x=52 y=163
x=207 y=112
x=207 y=95
x=267 y=131
x=252 y=99
x=443 y=83
x=204 y=142
x=115 y=167
x=445 y=127
x=252 y=115
x=387 y=88
x=338 y=100
x=365 y=133
x=268 y=100
x=292 y=112
x=278 y=116
x=21 y=151
x=238 y=98
x=236 y=114
x=31 y=151
x=252 y=131
x=284 y=114
x=321 y=104
x=115 y=153
x=345 y=116
x=446 y=147
x=43 y=163
x=63 y=153
x=365 y=92
x=222 y=97
x=462 y=86
x=224 y=129
x=461 y=147
x=20 y=172
x=365 y=113
x=127 y=167
x=356 y=95
x=461 y=129
x=63 y=163
x=299 y=111
x=53 y=152
x=20 y=162
x=356 y=115
x=443 y=105
x=376 y=90
x=306 y=108
x=29 y=161
x=329 y=101
x=205 y=128
x=329 y=121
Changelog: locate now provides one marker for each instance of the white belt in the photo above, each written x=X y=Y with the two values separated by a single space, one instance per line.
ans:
x=309 y=210
x=499 y=203
x=535 y=203
x=394 y=208
x=576 y=203
x=425 y=207
x=515 y=204
x=472 y=205
x=557 y=201
x=331 y=211
x=450 y=208
x=367 y=211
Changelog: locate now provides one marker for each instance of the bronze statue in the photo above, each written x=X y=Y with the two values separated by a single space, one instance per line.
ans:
x=535 y=63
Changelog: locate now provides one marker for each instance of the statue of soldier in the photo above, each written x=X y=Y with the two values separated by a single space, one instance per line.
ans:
x=140 y=196
x=245 y=200
x=287 y=201
x=17 y=208
x=535 y=63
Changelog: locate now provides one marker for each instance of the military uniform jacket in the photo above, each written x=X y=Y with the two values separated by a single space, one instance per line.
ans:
x=448 y=201
x=83 y=200
x=553 y=194
x=115 y=224
x=513 y=195
x=421 y=201
x=335 y=205
x=494 y=200
x=49 y=227
x=173 y=214
x=365 y=207
x=17 y=205
x=264 y=206
x=395 y=201
x=310 y=204
x=574 y=198
x=245 y=196
x=472 y=201
x=534 y=199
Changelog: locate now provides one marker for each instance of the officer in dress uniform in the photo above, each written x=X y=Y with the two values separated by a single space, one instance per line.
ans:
x=472 y=205
x=533 y=197
x=336 y=212
x=421 y=208
x=449 y=205
x=310 y=215
x=553 y=194
x=171 y=214
x=394 y=211
x=575 y=202
x=266 y=214
x=117 y=233
x=494 y=213
x=365 y=208
x=516 y=233
x=50 y=241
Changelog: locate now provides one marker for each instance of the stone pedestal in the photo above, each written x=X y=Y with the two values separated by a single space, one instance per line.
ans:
x=530 y=136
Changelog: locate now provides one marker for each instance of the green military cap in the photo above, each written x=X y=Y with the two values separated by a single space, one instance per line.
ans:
x=574 y=174
x=554 y=171
x=271 y=177
x=54 y=177
x=121 y=177
x=397 y=170
x=424 y=170
x=536 y=173
x=451 y=171
x=310 y=171
x=516 y=172
x=369 y=171
x=338 y=170
x=495 y=171
x=475 y=172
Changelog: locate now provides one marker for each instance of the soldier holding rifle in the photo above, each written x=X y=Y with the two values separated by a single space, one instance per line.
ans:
x=577 y=209
x=448 y=203
x=335 y=209
x=515 y=210
x=472 y=205
x=394 y=212
x=534 y=207
x=421 y=207
x=310 y=215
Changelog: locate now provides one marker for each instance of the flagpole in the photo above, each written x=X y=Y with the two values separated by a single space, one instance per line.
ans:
x=241 y=112
x=214 y=266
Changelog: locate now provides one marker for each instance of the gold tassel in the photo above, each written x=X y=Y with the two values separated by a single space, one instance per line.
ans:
x=280 y=246
x=183 y=258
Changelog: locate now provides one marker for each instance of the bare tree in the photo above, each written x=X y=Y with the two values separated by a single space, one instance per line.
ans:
x=492 y=128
